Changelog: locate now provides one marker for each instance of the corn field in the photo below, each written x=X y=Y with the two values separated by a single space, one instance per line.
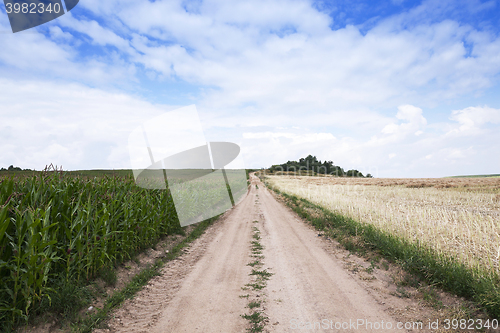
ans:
x=54 y=227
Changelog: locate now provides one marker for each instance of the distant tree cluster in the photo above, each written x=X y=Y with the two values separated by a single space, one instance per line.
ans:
x=311 y=163
x=13 y=168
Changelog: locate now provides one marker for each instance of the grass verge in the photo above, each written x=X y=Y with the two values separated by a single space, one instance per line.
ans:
x=480 y=286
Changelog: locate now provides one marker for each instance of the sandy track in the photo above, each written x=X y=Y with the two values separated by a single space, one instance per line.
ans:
x=199 y=292
x=309 y=285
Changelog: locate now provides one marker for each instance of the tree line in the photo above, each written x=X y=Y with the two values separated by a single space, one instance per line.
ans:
x=13 y=168
x=311 y=163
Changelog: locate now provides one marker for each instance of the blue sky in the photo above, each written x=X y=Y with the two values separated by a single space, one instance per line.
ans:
x=395 y=88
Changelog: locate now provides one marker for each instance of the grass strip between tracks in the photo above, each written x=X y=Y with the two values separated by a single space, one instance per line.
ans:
x=256 y=317
x=478 y=285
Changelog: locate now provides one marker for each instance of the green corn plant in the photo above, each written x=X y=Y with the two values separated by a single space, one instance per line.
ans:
x=68 y=228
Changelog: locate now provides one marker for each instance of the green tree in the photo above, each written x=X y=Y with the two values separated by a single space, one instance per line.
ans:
x=354 y=173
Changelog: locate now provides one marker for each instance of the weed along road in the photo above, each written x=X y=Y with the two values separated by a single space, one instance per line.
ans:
x=259 y=268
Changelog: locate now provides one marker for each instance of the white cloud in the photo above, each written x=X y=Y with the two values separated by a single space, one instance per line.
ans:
x=57 y=33
x=454 y=153
x=428 y=154
x=295 y=138
x=471 y=120
x=94 y=30
x=33 y=55
x=413 y=123
x=69 y=125
x=283 y=56
x=79 y=127
x=259 y=65
x=328 y=69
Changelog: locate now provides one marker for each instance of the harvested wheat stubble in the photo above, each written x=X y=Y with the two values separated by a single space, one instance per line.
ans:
x=458 y=217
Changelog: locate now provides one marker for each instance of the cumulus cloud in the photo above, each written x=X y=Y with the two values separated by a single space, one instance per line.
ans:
x=413 y=117
x=57 y=33
x=98 y=34
x=412 y=122
x=283 y=56
x=359 y=95
x=33 y=55
x=471 y=120
x=80 y=127
x=402 y=147
x=276 y=146
x=70 y=125
x=296 y=138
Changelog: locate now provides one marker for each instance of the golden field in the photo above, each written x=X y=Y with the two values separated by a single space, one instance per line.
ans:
x=455 y=216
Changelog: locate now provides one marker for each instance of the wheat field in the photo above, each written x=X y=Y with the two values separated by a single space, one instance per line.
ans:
x=459 y=217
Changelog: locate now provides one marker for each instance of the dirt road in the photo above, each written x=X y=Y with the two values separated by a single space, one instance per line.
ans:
x=200 y=291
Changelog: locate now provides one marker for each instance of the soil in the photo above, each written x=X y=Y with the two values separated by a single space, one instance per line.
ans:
x=315 y=284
